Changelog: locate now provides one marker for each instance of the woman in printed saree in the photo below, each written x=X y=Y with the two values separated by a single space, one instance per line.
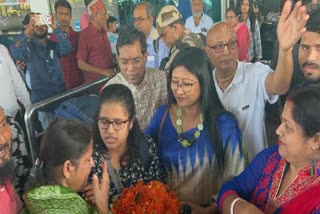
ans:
x=131 y=156
x=284 y=178
x=200 y=143
x=63 y=167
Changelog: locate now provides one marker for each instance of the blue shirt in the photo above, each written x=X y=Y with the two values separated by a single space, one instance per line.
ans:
x=156 y=54
x=43 y=63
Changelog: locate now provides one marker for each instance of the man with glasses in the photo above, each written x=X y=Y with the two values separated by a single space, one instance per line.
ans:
x=171 y=30
x=244 y=88
x=143 y=15
x=148 y=85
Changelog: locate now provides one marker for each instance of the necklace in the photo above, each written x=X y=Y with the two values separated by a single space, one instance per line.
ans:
x=184 y=142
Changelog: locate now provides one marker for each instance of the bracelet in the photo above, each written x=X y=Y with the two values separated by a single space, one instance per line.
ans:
x=233 y=204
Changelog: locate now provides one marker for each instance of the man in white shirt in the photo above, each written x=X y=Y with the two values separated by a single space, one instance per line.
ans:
x=143 y=15
x=198 y=22
x=12 y=86
x=244 y=88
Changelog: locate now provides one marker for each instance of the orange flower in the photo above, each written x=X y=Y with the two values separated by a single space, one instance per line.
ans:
x=153 y=197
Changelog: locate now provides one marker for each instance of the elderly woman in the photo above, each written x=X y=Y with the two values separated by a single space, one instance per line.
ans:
x=199 y=142
x=284 y=178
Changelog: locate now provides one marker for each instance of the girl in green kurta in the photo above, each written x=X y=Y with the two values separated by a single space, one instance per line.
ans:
x=63 y=167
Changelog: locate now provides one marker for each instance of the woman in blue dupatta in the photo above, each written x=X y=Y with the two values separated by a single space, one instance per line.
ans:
x=200 y=143
x=284 y=178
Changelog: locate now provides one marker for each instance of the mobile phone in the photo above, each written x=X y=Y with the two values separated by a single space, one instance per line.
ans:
x=42 y=19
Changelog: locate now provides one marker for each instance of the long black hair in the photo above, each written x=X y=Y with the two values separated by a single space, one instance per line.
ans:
x=63 y=140
x=306 y=103
x=196 y=62
x=252 y=17
x=120 y=94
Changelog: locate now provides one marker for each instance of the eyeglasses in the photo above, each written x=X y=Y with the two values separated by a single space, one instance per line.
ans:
x=230 y=17
x=219 y=48
x=116 y=124
x=135 y=62
x=139 y=19
x=185 y=86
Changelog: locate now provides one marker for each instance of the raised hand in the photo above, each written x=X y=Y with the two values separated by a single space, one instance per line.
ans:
x=101 y=190
x=291 y=25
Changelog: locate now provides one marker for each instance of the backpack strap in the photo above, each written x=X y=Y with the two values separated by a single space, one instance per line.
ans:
x=156 y=45
x=161 y=124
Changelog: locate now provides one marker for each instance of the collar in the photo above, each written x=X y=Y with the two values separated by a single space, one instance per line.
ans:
x=133 y=87
x=92 y=28
x=238 y=76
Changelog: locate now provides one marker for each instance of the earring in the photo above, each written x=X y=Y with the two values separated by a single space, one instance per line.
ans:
x=314 y=169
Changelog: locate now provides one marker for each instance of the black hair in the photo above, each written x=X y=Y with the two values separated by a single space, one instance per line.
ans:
x=128 y=35
x=313 y=23
x=236 y=13
x=62 y=3
x=306 y=103
x=63 y=140
x=252 y=17
x=87 y=2
x=26 y=19
x=196 y=62
x=111 y=20
x=120 y=94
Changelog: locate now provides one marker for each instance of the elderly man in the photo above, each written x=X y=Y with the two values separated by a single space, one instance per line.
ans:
x=9 y=200
x=143 y=15
x=171 y=30
x=148 y=85
x=94 y=51
x=244 y=88
x=198 y=22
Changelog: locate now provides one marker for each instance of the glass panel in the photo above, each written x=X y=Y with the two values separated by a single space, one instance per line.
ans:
x=12 y=13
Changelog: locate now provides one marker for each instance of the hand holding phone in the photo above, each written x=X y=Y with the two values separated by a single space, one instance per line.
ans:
x=40 y=19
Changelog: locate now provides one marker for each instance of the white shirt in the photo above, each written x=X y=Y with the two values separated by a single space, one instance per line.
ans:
x=246 y=97
x=155 y=58
x=204 y=25
x=12 y=86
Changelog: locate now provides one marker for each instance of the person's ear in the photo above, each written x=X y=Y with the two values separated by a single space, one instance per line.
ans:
x=151 y=19
x=131 y=124
x=67 y=169
x=316 y=144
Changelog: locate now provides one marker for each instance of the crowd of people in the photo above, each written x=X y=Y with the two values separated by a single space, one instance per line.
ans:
x=184 y=105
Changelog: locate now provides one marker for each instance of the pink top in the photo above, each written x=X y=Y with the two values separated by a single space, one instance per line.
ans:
x=9 y=200
x=84 y=20
x=243 y=37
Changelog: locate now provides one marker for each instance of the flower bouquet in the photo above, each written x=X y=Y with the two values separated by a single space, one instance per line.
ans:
x=153 y=197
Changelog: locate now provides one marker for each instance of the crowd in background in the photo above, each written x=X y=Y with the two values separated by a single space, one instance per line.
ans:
x=185 y=104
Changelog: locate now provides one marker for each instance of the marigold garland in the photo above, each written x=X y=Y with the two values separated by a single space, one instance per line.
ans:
x=153 y=197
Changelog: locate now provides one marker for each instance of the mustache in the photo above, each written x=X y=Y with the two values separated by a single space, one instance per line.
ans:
x=6 y=170
x=312 y=64
x=4 y=146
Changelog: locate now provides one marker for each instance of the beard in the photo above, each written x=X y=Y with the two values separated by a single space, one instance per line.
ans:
x=7 y=170
x=40 y=36
x=197 y=14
